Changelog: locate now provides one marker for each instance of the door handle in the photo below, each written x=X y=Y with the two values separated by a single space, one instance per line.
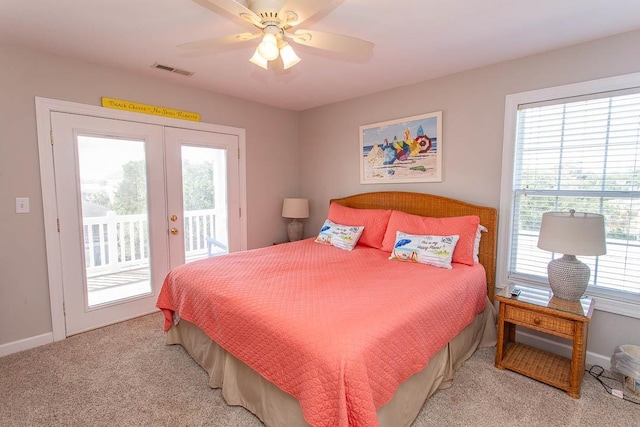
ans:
x=173 y=218
x=174 y=230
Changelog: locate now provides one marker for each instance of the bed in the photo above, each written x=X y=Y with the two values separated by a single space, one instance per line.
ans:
x=307 y=333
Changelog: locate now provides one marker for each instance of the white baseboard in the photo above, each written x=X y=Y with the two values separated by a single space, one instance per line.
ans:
x=561 y=349
x=25 y=344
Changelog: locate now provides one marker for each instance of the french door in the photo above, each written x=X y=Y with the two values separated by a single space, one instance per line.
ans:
x=133 y=201
x=203 y=204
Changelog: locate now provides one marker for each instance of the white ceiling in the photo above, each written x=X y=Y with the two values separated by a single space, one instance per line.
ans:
x=415 y=40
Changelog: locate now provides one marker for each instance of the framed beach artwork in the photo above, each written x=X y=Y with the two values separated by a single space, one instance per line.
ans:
x=402 y=150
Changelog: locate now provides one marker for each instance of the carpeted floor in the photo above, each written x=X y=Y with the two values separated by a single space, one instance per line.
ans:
x=125 y=375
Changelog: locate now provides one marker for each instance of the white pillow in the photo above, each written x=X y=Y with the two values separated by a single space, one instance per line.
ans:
x=476 y=243
x=432 y=250
x=341 y=236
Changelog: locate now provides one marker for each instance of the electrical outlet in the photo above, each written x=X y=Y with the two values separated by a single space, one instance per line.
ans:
x=22 y=205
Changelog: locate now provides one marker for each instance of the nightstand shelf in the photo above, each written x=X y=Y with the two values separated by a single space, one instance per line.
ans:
x=538 y=364
x=538 y=309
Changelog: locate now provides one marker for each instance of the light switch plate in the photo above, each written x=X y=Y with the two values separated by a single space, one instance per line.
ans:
x=22 y=205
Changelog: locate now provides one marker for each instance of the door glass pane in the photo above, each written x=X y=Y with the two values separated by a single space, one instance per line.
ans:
x=113 y=183
x=204 y=191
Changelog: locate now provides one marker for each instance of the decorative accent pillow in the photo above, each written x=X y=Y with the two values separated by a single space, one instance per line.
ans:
x=432 y=250
x=476 y=243
x=374 y=221
x=341 y=236
x=463 y=226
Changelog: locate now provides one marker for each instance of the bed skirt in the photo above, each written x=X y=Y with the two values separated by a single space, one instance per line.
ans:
x=245 y=387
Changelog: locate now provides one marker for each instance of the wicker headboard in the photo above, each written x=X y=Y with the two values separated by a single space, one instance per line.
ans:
x=437 y=206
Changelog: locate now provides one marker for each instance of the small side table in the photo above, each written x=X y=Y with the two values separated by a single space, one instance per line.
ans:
x=538 y=309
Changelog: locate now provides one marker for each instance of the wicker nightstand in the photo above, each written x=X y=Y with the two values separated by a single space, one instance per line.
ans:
x=538 y=309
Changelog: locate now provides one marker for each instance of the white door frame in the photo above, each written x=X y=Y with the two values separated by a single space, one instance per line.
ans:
x=44 y=108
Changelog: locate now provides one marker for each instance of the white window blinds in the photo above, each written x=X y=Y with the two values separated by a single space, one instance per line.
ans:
x=585 y=155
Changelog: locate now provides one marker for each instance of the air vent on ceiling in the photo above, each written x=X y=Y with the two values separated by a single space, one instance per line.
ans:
x=172 y=69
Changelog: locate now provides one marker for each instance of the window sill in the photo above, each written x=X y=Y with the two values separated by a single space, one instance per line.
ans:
x=615 y=306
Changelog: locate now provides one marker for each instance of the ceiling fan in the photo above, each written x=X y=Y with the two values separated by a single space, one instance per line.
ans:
x=275 y=20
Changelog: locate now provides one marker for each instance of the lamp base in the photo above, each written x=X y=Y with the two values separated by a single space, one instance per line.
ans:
x=294 y=230
x=568 y=277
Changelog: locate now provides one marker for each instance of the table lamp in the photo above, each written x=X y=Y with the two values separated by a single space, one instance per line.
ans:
x=295 y=208
x=571 y=233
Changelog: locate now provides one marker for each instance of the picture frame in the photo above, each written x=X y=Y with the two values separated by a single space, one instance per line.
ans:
x=405 y=150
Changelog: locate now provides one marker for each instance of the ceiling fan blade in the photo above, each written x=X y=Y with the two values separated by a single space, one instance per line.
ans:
x=209 y=43
x=332 y=42
x=231 y=7
x=305 y=9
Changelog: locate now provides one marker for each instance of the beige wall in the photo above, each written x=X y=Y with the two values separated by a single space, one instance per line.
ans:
x=272 y=171
x=325 y=162
x=472 y=103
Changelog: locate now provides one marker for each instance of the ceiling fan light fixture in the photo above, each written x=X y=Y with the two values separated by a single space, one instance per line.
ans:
x=259 y=60
x=289 y=57
x=268 y=48
x=276 y=21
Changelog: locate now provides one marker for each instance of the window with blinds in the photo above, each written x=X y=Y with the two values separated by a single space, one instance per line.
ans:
x=582 y=154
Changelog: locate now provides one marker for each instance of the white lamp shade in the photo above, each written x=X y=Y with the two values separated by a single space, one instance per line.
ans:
x=295 y=208
x=259 y=60
x=268 y=48
x=572 y=233
x=289 y=57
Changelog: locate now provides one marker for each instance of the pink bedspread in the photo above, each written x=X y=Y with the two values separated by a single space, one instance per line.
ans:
x=338 y=330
